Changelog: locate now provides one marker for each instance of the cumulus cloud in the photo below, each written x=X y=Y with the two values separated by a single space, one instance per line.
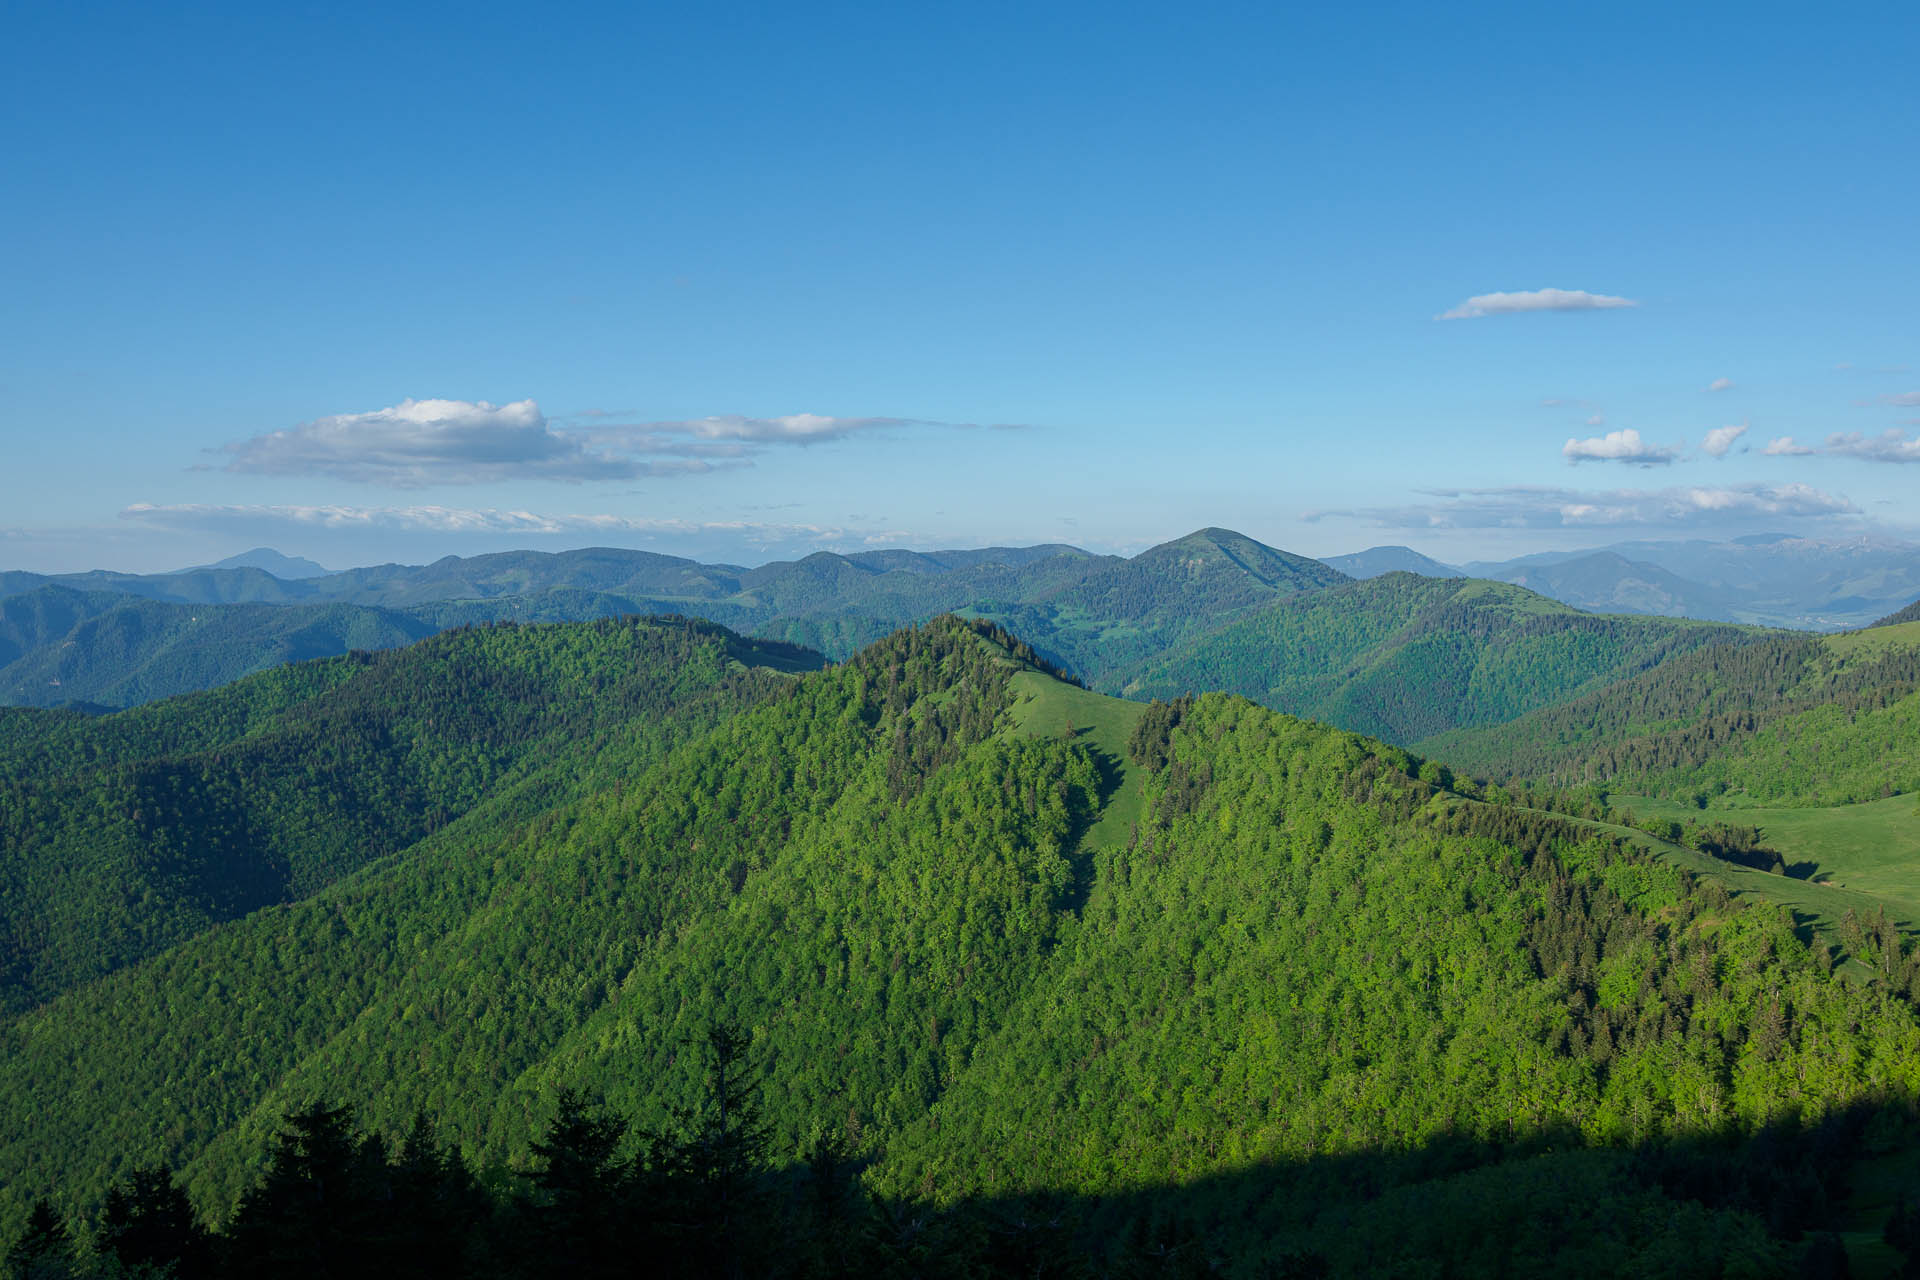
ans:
x=1618 y=446
x=421 y=442
x=1500 y=304
x=1891 y=445
x=418 y=443
x=1721 y=439
x=1541 y=507
x=1787 y=447
x=1720 y=384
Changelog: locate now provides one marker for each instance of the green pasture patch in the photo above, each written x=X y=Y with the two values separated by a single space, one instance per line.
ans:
x=1822 y=906
x=1873 y=641
x=1048 y=708
x=1871 y=848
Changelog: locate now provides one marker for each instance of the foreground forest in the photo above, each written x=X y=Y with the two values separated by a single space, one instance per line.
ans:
x=929 y=962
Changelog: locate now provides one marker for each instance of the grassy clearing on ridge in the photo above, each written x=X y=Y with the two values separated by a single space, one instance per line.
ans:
x=1871 y=850
x=1045 y=707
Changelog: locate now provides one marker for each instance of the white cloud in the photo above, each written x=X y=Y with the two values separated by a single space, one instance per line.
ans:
x=1787 y=447
x=418 y=443
x=1721 y=439
x=1498 y=304
x=1720 y=384
x=1903 y=400
x=1892 y=445
x=733 y=435
x=423 y=442
x=1531 y=507
x=1618 y=446
x=1597 y=420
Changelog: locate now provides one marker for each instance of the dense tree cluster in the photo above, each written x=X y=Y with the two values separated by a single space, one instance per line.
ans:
x=1404 y=658
x=128 y=833
x=1783 y=719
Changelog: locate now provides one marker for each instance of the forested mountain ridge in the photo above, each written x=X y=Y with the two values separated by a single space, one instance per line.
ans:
x=1404 y=657
x=1093 y=612
x=1816 y=720
x=1909 y=614
x=1325 y=1006
x=59 y=646
x=126 y=834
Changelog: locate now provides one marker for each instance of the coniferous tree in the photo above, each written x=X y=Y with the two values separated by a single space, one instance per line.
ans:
x=149 y=1221
x=44 y=1250
x=726 y=1156
x=582 y=1188
x=322 y=1207
x=441 y=1212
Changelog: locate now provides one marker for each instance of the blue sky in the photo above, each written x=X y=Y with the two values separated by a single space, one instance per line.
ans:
x=738 y=281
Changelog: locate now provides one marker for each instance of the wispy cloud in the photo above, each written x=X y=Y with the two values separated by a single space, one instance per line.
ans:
x=735 y=429
x=1891 y=445
x=1531 y=507
x=1597 y=420
x=419 y=443
x=1721 y=439
x=427 y=518
x=1618 y=446
x=1903 y=399
x=1720 y=384
x=1501 y=304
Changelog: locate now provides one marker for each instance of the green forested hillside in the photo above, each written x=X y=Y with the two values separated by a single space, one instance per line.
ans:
x=1302 y=1007
x=1403 y=657
x=1096 y=613
x=126 y=834
x=59 y=646
x=1791 y=719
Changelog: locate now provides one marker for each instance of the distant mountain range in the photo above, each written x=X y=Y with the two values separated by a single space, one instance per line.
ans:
x=1159 y=622
x=290 y=568
x=1773 y=580
x=117 y=639
x=1375 y=561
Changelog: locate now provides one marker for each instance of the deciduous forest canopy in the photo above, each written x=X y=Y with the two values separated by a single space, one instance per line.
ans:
x=935 y=962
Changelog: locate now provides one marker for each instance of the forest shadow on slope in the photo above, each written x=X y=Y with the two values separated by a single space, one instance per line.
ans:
x=598 y=1197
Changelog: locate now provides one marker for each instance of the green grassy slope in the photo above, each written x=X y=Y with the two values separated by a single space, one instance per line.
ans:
x=1404 y=657
x=1870 y=850
x=1045 y=707
x=889 y=875
x=1909 y=614
x=1821 y=904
